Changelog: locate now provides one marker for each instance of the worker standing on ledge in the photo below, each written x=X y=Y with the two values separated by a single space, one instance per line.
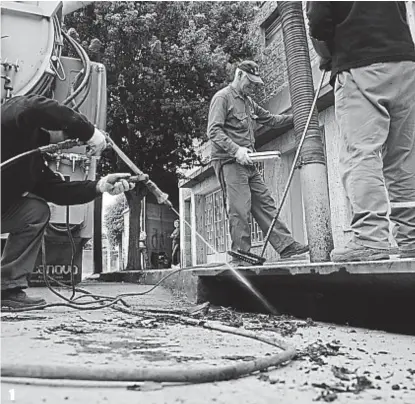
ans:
x=28 y=122
x=371 y=55
x=231 y=131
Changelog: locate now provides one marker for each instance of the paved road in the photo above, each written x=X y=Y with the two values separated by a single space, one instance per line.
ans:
x=355 y=365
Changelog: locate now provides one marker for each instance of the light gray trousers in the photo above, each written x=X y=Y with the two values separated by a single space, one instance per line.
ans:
x=375 y=110
x=26 y=222
x=247 y=193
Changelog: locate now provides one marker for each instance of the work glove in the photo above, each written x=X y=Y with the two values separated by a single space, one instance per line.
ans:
x=115 y=184
x=97 y=143
x=242 y=156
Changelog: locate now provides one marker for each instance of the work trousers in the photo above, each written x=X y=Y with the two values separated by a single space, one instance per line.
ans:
x=245 y=193
x=375 y=109
x=25 y=222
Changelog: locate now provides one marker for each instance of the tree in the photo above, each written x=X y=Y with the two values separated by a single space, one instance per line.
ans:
x=164 y=61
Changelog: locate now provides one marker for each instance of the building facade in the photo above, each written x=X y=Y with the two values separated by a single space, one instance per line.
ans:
x=204 y=227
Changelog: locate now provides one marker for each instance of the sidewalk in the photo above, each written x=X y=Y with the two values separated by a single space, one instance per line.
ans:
x=384 y=362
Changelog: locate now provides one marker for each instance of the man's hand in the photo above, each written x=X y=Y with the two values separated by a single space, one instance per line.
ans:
x=242 y=156
x=97 y=143
x=115 y=184
x=325 y=64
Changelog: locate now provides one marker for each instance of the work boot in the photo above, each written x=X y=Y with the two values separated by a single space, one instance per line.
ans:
x=17 y=298
x=357 y=252
x=293 y=249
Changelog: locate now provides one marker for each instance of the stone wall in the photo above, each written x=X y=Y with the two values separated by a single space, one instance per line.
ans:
x=271 y=53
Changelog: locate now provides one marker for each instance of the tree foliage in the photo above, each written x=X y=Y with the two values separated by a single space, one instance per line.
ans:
x=114 y=221
x=164 y=62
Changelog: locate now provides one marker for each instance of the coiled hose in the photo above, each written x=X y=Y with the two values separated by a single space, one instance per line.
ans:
x=194 y=374
x=157 y=374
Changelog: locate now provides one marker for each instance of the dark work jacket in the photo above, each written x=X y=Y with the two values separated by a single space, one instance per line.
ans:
x=23 y=123
x=361 y=33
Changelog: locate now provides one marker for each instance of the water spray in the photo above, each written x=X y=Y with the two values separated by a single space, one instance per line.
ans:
x=163 y=198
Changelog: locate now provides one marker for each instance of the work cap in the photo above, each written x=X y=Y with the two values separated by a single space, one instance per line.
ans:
x=252 y=71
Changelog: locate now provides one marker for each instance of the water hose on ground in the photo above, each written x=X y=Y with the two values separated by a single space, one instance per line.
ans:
x=196 y=374
x=200 y=374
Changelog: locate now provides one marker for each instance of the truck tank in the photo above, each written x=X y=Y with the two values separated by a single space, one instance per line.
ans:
x=32 y=63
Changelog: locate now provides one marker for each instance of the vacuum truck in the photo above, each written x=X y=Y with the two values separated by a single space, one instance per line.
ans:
x=32 y=44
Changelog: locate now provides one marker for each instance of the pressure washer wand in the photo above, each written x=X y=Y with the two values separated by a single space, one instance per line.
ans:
x=161 y=196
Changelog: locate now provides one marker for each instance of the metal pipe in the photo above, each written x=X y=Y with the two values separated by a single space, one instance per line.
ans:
x=293 y=167
x=313 y=171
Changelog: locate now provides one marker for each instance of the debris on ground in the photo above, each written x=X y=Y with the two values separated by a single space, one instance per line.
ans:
x=342 y=373
x=356 y=385
x=21 y=317
x=327 y=395
x=317 y=350
x=285 y=325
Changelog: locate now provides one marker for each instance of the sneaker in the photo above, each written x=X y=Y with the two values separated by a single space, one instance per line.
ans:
x=17 y=298
x=293 y=249
x=356 y=252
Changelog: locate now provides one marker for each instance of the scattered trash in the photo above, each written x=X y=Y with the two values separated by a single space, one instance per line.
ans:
x=317 y=350
x=342 y=373
x=200 y=309
x=70 y=329
x=9 y=318
x=327 y=396
x=362 y=383
x=355 y=385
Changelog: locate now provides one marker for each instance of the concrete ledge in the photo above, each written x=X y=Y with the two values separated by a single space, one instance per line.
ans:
x=394 y=266
x=184 y=283
x=198 y=284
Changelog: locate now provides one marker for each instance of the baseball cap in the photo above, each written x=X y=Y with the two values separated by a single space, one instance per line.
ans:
x=252 y=70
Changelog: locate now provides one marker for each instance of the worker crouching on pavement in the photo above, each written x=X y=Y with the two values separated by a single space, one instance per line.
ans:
x=232 y=116
x=28 y=183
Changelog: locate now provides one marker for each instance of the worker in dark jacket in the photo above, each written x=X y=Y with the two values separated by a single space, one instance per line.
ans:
x=28 y=122
x=369 y=48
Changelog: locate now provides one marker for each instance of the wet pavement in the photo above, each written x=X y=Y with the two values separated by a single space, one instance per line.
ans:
x=334 y=363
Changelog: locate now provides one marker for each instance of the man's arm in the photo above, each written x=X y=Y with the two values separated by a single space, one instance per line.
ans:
x=42 y=112
x=320 y=19
x=266 y=118
x=54 y=189
x=216 y=122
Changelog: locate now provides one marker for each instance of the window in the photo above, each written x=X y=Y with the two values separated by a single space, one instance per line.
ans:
x=271 y=26
x=216 y=223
